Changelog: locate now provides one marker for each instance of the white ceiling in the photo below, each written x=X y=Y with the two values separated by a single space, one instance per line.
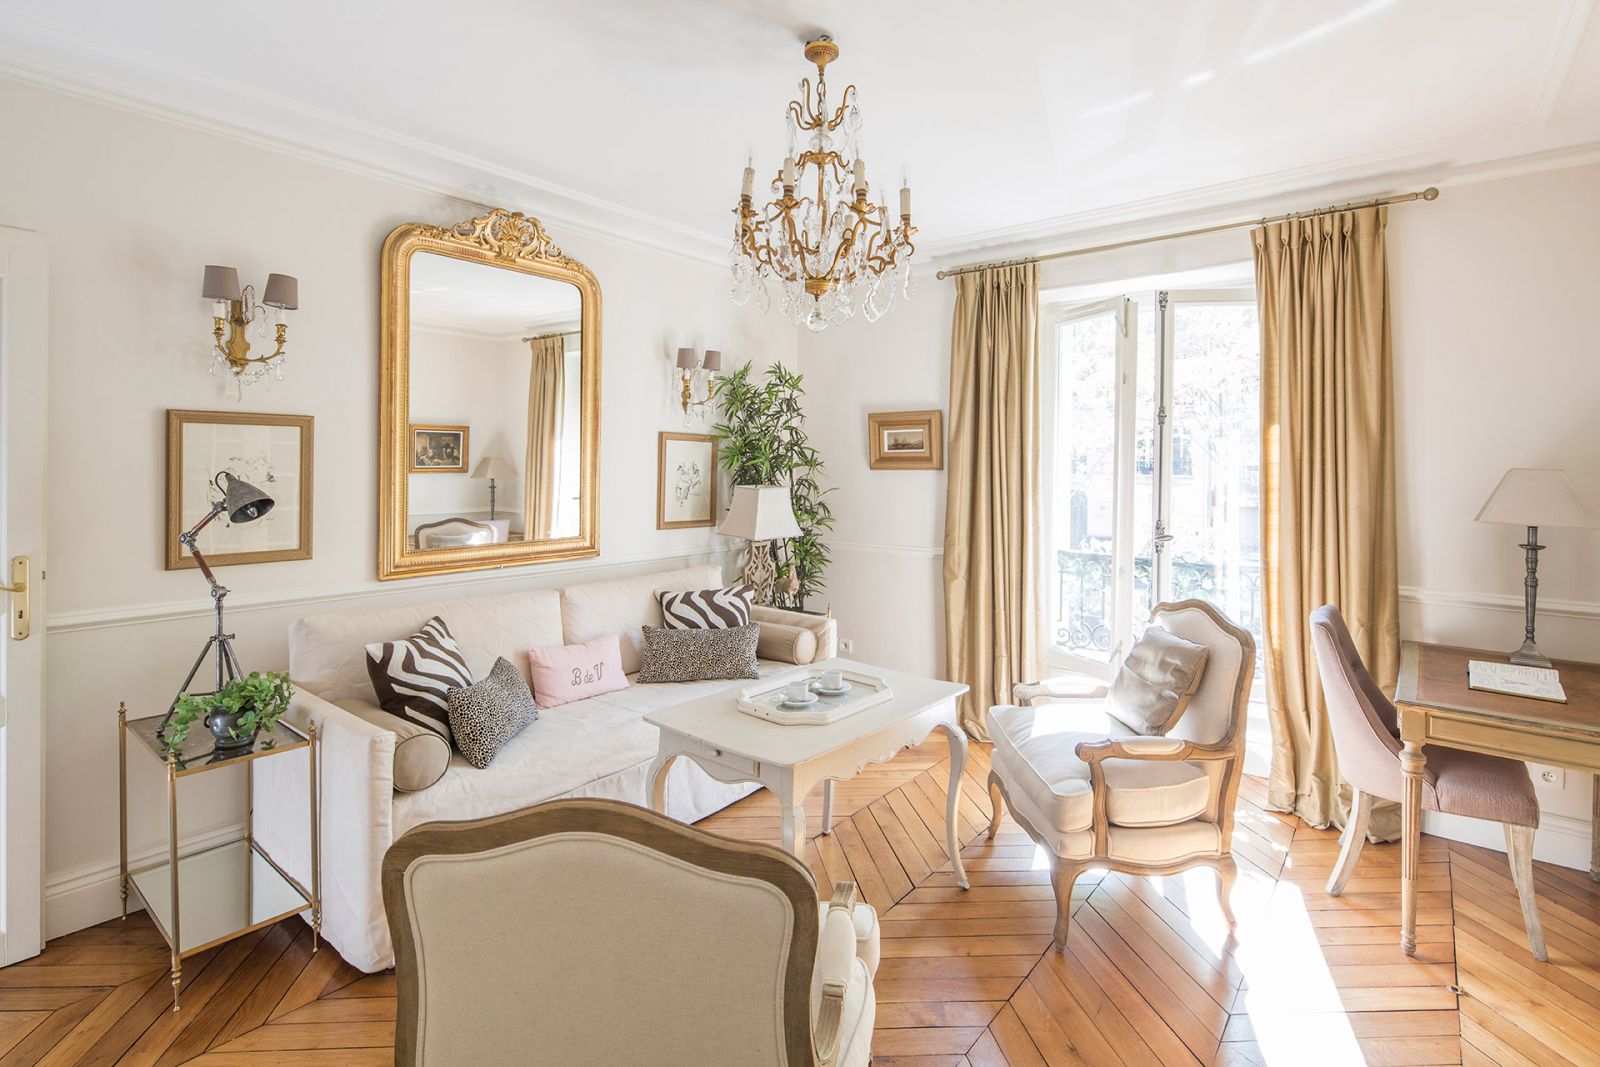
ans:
x=475 y=298
x=1017 y=117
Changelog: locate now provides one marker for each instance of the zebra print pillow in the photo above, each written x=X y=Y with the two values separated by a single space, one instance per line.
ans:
x=707 y=609
x=413 y=676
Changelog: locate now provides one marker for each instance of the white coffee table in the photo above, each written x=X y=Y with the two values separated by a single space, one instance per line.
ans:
x=732 y=746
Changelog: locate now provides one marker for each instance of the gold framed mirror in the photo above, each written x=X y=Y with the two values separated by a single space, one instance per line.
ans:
x=489 y=435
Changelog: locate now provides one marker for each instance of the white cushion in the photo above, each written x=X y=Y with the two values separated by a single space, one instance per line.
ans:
x=624 y=605
x=1034 y=748
x=327 y=653
x=565 y=750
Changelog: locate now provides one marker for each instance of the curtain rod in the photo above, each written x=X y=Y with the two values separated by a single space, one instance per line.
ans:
x=1430 y=193
x=542 y=336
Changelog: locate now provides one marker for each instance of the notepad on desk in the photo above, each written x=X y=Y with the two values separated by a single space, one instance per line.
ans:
x=1537 y=683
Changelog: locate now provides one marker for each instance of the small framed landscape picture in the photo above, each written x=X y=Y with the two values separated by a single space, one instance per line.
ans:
x=438 y=449
x=686 y=481
x=270 y=452
x=906 y=440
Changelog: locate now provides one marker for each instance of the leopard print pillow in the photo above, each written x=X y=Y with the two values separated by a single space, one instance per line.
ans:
x=487 y=714
x=698 y=655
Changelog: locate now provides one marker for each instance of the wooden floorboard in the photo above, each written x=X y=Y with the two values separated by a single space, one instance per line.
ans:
x=1151 y=974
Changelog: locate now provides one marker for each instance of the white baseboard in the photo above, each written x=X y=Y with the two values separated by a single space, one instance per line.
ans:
x=1561 y=839
x=93 y=893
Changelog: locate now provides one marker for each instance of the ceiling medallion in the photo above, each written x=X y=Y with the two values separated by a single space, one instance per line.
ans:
x=832 y=251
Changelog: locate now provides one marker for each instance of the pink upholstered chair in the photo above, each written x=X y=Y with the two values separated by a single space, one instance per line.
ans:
x=1366 y=737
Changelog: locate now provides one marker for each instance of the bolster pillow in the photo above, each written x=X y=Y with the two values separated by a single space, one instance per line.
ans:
x=421 y=756
x=786 y=644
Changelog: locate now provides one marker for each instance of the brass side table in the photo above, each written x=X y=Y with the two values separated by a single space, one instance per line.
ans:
x=235 y=887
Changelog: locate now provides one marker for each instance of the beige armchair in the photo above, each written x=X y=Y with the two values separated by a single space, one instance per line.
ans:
x=591 y=932
x=1095 y=793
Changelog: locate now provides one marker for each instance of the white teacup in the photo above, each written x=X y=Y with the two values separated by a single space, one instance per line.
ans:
x=831 y=680
x=797 y=692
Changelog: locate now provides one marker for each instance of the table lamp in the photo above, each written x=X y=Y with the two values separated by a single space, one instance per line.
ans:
x=760 y=514
x=241 y=502
x=492 y=467
x=1534 y=498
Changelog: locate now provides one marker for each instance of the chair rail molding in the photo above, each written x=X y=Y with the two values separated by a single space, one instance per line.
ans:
x=1508 y=602
x=67 y=622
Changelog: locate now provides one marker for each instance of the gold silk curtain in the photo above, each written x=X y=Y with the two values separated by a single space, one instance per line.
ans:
x=546 y=394
x=1328 y=498
x=991 y=509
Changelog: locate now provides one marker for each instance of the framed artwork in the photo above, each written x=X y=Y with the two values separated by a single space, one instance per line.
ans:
x=906 y=440
x=686 y=481
x=271 y=452
x=438 y=449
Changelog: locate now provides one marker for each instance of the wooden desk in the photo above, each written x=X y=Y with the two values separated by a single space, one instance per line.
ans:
x=1437 y=708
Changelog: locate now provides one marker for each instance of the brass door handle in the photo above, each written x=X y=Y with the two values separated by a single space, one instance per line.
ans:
x=20 y=616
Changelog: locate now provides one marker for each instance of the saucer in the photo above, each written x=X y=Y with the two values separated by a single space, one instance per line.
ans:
x=820 y=690
x=785 y=702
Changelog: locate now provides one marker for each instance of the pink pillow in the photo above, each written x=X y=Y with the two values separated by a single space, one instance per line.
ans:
x=564 y=673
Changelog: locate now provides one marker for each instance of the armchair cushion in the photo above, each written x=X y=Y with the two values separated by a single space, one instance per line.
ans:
x=1035 y=751
x=1157 y=680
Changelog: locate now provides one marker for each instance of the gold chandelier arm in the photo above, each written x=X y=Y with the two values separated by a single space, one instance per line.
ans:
x=844 y=105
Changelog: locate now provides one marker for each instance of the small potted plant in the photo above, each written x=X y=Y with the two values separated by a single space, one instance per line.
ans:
x=235 y=713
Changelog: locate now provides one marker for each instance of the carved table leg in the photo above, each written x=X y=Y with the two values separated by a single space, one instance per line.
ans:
x=658 y=780
x=958 y=766
x=794 y=827
x=1411 y=763
x=827 y=807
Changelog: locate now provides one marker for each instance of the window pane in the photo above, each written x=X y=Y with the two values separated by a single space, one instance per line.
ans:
x=1085 y=501
x=1216 y=459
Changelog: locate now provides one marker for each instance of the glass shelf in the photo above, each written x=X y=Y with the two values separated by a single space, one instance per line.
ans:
x=223 y=892
x=199 y=752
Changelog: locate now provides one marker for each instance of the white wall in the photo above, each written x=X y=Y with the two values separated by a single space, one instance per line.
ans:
x=1494 y=345
x=133 y=207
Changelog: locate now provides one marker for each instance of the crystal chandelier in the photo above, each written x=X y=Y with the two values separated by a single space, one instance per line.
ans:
x=832 y=250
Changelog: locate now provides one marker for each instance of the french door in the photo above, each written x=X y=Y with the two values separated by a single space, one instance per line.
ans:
x=22 y=402
x=1153 y=411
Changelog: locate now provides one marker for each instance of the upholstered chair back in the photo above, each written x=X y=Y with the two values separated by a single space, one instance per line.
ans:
x=594 y=932
x=1216 y=711
x=1365 y=726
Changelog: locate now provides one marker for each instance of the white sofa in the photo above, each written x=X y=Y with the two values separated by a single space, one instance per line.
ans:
x=600 y=747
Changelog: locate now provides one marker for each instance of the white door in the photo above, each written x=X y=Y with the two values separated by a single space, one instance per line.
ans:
x=22 y=427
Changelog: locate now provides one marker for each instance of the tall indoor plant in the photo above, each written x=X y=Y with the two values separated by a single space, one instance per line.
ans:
x=762 y=441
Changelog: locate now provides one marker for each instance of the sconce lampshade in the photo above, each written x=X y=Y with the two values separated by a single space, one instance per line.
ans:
x=283 y=291
x=686 y=359
x=760 y=513
x=494 y=467
x=222 y=283
x=242 y=502
x=713 y=361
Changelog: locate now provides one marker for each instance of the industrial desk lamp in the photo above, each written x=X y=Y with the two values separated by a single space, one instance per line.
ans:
x=1533 y=498
x=241 y=502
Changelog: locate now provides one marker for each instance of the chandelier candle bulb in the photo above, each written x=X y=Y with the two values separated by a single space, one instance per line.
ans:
x=905 y=201
x=788 y=172
x=749 y=182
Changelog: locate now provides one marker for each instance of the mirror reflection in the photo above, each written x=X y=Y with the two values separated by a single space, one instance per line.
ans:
x=496 y=373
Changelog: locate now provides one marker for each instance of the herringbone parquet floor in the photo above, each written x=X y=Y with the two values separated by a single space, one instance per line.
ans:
x=968 y=978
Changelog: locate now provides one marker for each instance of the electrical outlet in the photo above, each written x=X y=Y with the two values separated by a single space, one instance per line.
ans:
x=846 y=645
x=1552 y=776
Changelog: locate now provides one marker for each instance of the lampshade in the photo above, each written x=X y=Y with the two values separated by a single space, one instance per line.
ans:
x=494 y=467
x=242 y=502
x=283 y=291
x=760 y=513
x=713 y=361
x=686 y=359
x=222 y=283
x=1527 y=496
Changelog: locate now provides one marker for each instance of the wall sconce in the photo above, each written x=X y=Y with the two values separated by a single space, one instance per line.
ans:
x=238 y=309
x=698 y=380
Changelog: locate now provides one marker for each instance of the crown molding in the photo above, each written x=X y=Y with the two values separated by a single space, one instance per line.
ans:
x=276 y=123
x=1296 y=190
